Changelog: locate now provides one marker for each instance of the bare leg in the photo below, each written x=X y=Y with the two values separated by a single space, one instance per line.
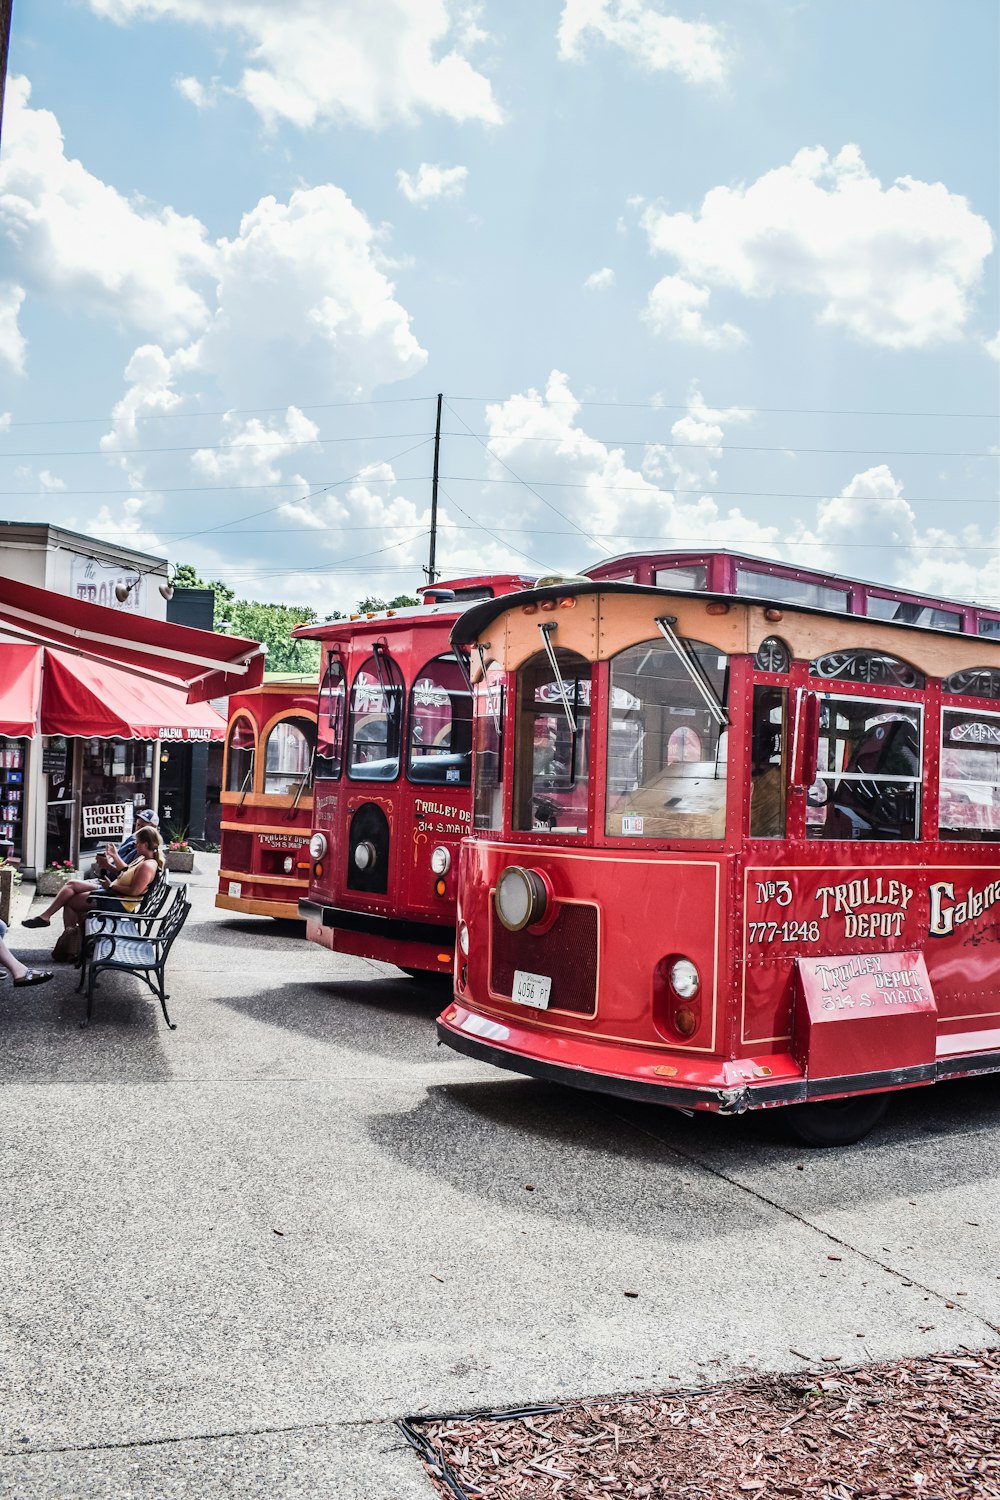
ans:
x=72 y=889
x=75 y=909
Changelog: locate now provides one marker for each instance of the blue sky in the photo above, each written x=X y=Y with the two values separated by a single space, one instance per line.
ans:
x=723 y=274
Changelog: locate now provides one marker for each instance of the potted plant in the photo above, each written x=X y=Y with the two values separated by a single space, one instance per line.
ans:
x=179 y=854
x=50 y=881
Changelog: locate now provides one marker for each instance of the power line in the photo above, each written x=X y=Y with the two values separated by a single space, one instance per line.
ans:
x=686 y=406
x=568 y=519
x=721 y=407
x=647 y=488
x=494 y=437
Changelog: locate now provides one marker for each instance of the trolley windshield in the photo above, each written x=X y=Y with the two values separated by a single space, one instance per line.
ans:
x=667 y=740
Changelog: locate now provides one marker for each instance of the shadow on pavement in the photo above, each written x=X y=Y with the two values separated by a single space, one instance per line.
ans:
x=390 y=1018
x=43 y=1041
x=598 y=1160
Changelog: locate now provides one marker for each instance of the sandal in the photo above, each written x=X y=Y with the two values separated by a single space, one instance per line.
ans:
x=33 y=976
x=36 y=922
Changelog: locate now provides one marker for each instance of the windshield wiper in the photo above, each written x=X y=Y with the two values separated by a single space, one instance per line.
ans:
x=546 y=630
x=665 y=625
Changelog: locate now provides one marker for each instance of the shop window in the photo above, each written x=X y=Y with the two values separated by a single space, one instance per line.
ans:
x=240 y=750
x=970 y=776
x=666 y=746
x=868 y=771
x=440 y=725
x=376 y=720
x=331 y=714
x=12 y=765
x=768 y=779
x=288 y=757
x=551 y=754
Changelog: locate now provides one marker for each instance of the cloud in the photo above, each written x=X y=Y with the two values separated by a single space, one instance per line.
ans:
x=675 y=309
x=953 y=564
x=75 y=239
x=656 y=42
x=432 y=182
x=196 y=93
x=617 y=505
x=992 y=346
x=253 y=448
x=362 y=62
x=600 y=281
x=301 y=290
x=13 y=345
x=897 y=267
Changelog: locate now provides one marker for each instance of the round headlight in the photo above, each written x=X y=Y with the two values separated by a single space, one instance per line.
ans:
x=440 y=860
x=364 y=855
x=685 y=978
x=317 y=845
x=520 y=898
x=463 y=939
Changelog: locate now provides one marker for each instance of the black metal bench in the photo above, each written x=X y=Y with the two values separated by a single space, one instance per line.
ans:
x=136 y=943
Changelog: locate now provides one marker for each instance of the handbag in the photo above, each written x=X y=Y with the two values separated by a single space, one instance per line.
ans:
x=68 y=945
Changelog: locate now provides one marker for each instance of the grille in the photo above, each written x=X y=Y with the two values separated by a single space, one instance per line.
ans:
x=236 y=850
x=567 y=953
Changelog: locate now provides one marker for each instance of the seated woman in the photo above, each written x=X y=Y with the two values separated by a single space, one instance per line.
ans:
x=122 y=894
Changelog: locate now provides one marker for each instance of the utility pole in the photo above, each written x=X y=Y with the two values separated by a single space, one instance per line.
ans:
x=430 y=569
x=5 y=25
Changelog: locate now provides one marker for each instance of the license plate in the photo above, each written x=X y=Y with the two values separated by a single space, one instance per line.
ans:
x=531 y=989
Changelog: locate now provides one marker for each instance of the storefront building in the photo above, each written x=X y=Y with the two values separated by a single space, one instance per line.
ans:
x=88 y=700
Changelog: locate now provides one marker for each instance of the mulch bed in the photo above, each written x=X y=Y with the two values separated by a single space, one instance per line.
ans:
x=927 y=1428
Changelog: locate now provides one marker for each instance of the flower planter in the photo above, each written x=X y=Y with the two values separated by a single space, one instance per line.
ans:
x=180 y=861
x=6 y=893
x=51 y=882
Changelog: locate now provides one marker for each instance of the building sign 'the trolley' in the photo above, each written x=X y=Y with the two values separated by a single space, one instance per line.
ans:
x=730 y=852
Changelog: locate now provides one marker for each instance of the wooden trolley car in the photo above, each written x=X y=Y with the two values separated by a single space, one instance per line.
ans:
x=267 y=798
x=732 y=852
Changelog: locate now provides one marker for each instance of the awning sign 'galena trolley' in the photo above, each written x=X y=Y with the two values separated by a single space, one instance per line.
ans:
x=729 y=853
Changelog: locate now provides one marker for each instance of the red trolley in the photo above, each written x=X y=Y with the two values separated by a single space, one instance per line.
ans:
x=393 y=779
x=267 y=798
x=731 y=852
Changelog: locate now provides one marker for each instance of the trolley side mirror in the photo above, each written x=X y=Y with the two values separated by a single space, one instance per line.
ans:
x=805 y=745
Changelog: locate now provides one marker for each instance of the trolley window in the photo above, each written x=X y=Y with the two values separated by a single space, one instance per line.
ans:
x=793 y=590
x=552 y=744
x=666 y=748
x=440 y=725
x=491 y=697
x=288 y=756
x=240 y=749
x=868 y=771
x=376 y=720
x=767 y=768
x=330 y=721
x=970 y=776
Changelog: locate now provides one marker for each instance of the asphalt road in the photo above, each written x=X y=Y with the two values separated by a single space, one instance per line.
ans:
x=232 y=1254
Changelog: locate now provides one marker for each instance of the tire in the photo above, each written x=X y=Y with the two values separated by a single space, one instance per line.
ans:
x=836 y=1122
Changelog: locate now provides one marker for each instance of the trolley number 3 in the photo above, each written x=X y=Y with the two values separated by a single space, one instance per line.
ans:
x=785 y=932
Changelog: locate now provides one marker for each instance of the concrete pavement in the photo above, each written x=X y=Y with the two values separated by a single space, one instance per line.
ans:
x=232 y=1254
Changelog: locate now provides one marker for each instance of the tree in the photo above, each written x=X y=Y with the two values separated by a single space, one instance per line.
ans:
x=373 y=605
x=272 y=624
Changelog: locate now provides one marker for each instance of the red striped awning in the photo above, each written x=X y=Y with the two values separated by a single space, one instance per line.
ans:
x=201 y=664
x=92 y=699
x=20 y=689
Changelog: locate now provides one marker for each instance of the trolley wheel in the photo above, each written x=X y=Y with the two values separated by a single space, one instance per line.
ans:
x=836 y=1122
